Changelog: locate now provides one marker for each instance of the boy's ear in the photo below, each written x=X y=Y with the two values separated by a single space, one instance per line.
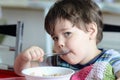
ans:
x=92 y=30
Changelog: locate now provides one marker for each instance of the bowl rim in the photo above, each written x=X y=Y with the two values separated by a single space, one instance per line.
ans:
x=26 y=75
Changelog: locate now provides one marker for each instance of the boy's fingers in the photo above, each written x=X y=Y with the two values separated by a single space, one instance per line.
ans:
x=36 y=53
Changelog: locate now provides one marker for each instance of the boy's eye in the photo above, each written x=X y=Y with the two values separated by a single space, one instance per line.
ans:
x=67 y=34
x=55 y=38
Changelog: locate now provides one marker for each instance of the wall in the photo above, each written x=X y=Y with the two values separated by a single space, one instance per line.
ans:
x=111 y=18
x=111 y=40
x=34 y=33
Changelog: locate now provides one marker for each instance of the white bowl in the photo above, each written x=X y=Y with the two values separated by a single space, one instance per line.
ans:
x=48 y=73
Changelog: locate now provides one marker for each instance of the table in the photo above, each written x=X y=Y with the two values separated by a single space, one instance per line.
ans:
x=9 y=75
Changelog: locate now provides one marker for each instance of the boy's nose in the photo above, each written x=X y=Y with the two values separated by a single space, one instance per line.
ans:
x=61 y=44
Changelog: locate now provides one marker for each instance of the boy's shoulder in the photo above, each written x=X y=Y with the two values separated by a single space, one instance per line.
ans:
x=112 y=51
x=112 y=57
x=109 y=54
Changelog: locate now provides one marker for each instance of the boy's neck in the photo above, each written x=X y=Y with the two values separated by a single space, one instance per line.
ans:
x=92 y=55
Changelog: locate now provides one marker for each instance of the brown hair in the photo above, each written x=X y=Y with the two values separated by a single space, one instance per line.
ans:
x=77 y=12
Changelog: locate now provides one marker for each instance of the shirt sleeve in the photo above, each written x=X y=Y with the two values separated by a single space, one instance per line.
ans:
x=116 y=64
x=115 y=60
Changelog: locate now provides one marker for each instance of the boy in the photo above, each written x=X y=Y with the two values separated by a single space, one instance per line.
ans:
x=74 y=25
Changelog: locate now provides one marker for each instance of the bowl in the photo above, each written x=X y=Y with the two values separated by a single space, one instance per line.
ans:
x=48 y=73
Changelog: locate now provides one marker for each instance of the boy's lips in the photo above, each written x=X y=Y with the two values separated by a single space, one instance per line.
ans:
x=66 y=53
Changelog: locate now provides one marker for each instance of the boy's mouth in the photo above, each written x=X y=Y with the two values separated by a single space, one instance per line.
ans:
x=65 y=51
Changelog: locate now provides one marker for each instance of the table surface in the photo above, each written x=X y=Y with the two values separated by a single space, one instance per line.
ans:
x=9 y=75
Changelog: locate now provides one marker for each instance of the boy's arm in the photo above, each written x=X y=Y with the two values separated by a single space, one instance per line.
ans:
x=20 y=64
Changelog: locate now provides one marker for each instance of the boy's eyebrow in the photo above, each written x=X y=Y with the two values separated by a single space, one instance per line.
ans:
x=65 y=28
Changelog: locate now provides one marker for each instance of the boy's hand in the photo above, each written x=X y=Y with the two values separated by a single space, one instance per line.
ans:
x=33 y=53
x=28 y=58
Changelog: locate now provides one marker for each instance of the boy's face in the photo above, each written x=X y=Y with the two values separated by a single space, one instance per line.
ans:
x=67 y=36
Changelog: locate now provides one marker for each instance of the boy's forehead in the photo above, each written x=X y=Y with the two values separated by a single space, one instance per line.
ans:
x=63 y=23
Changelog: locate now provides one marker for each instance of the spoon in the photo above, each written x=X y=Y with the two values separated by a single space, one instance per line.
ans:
x=64 y=52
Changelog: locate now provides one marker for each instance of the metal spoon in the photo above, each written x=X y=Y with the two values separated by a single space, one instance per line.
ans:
x=57 y=54
x=63 y=52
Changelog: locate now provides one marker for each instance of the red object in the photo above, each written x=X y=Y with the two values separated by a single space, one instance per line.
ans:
x=82 y=74
x=8 y=74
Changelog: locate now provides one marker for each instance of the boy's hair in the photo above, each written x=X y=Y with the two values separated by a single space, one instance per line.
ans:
x=78 y=12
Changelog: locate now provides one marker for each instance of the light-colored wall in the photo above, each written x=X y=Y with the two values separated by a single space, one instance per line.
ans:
x=111 y=18
x=111 y=40
x=34 y=33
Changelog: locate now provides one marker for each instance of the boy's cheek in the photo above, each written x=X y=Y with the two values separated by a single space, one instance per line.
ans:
x=55 y=48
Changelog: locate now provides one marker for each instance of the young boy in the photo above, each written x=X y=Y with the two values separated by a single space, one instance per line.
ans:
x=74 y=25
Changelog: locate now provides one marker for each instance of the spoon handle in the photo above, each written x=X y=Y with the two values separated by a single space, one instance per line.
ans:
x=50 y=55
x=54 y=54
